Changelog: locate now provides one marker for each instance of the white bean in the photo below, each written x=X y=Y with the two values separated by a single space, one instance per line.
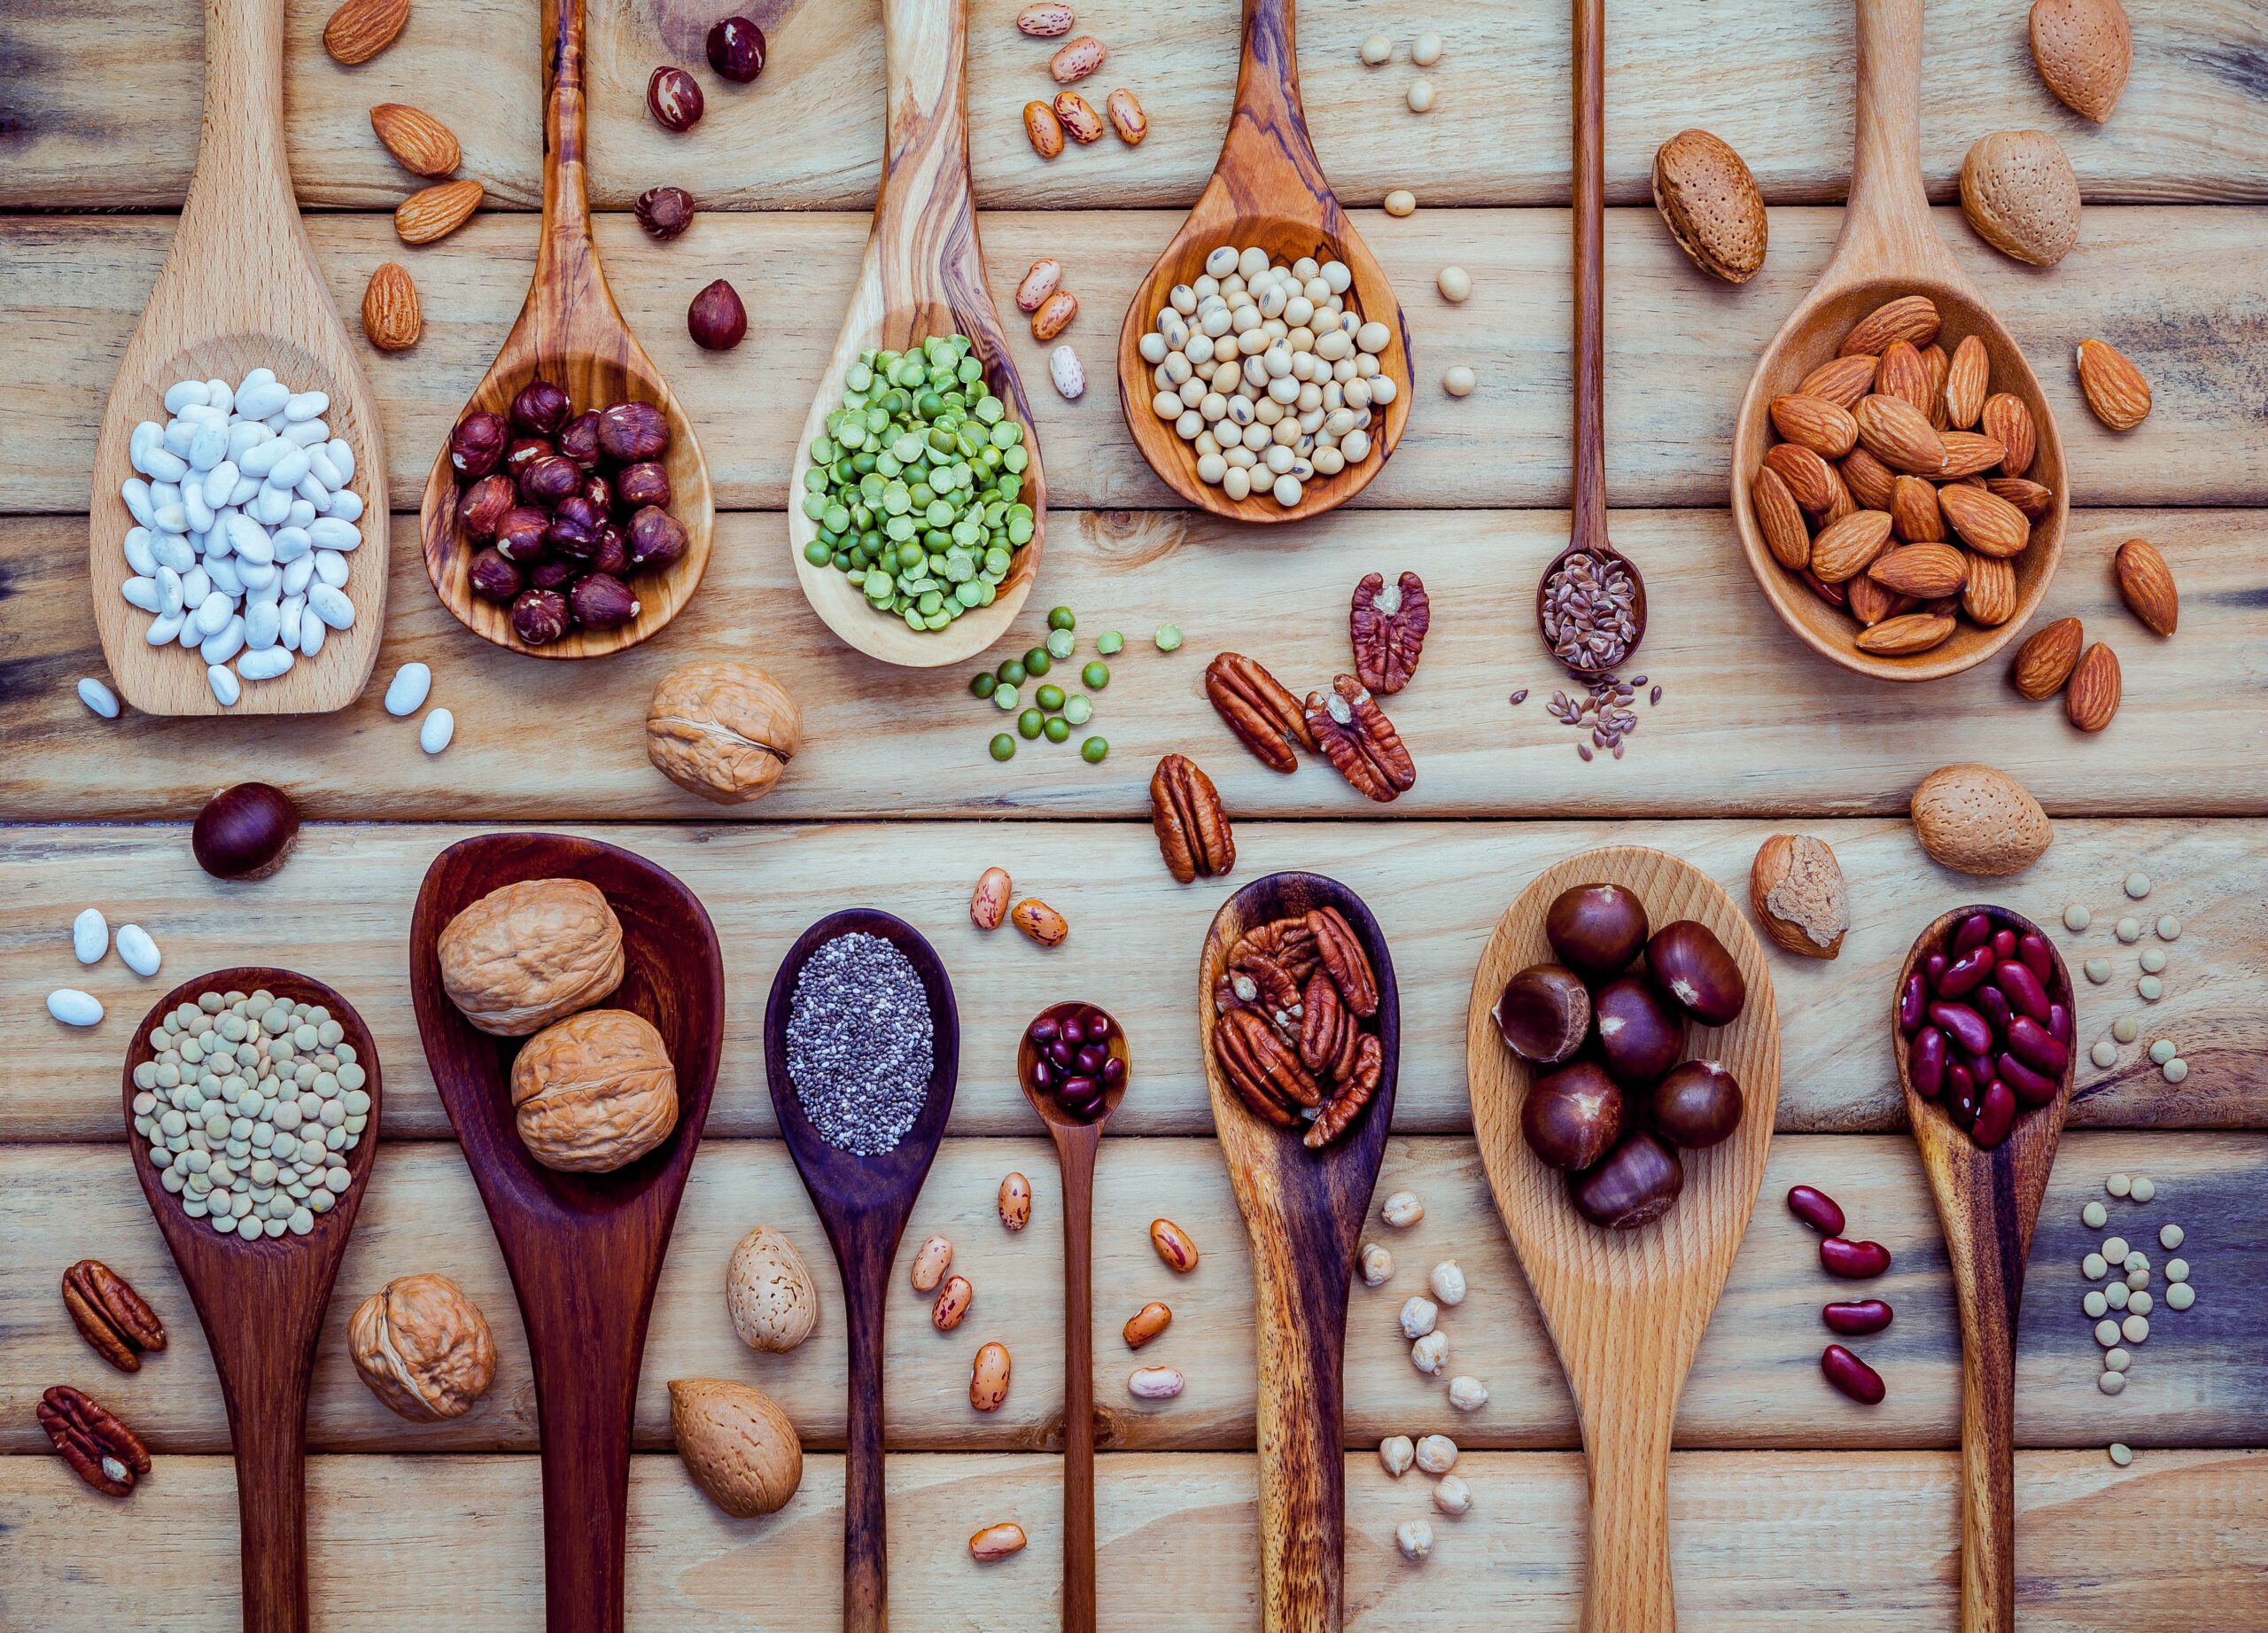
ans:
x=265 y=665
x=331 y=567
x=89 y=936
x=137 y=950
x=98 y=698
x=331 y=605
x=433 y=735
x=222 y=680
x=74 y=1007
x=1154 y=1383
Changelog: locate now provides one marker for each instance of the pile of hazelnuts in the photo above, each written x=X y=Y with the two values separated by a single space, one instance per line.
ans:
x=563 y=508
x=1615 y=1098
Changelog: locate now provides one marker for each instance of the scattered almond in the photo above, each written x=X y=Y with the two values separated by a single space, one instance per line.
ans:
x=391 y=316
x=1779 y=520
x=421 y=143
x=1824 y=427
x=1966 y=376
x=435 y=212
x=2090 y=696
x=1906 y=635
x=2009 y=423
x=1711 y=204
x=2146 y=584
x=1924 y=571
x=1989 y=595
x=2044 y=662
x=1797 y=892
x=1911 y=318
x=1984 y=523
x=2115 y=388
x=360 y=30
x=2018 y=192
x=1842 y=382
x=1976 y=820
x=2084 y=51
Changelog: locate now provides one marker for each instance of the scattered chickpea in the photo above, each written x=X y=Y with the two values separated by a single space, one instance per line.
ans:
x=1421 y=95
x=1415 y=1538
x=1447 y=1282
x=1436 y=1454
x=1431 y=1353
x=1377 y=1265
x=1452 y=1496
x=1418 y=1317
x=1455 y=284
x=1459 y=380
x=1468 y=1394
x=1378 y=49
x=1396 y=1455
x=1402 y=1209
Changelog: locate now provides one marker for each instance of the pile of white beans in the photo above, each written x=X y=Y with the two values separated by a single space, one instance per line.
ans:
x=243 y=520
x=1265 y=371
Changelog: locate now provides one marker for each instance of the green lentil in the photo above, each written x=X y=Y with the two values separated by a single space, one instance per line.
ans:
x=1038 y=662
x=1058 y=729
x=1062 y=617
x=1078 y=710
x=1028 y=724
x=984 y=683
x=1004 y=746
x=1092 y=750
x=1096 y=676
x=1110 y=643
x=1061 y=644
x=1169 y=637
x=1010 y=673
x=1050 y=698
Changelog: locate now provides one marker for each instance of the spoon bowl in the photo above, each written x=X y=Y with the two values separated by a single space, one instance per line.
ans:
x=1050 y=1109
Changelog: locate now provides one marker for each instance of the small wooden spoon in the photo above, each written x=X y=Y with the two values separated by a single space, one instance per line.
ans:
x=864 y=1202
x=1076 y=1143
x=1988 y=1202
x=571 y=332
x=1303 y=1211
x=261 y=1305
x=1888 y=247
x=923 y=275
x=239 y=290
x=583 y=1249
x=1626 y=1309
x=1267 y=189
x=1586 y=526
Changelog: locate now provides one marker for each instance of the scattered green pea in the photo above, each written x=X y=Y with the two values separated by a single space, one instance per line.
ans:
x=1004 y=746
x=1037 y=661
x=1062 y=617
x=1061 y=644
x=1005 y=695
x=1169 y=637
x=1110 y=643
x=1078 y=710
x=1058 y=729
x=1029 y=722
x=984 y=683
x=1010 y=673
x=1096 y=676
x=1050 y=698
x=1092 y=750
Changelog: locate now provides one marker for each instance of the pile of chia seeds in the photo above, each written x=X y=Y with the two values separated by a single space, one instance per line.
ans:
x=860 y=1044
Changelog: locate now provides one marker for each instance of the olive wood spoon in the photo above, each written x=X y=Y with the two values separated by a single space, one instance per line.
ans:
x=571 y=332
x=1587 y=523
x=583 y=1249
x=1888 y=247
x=1988 y=1202
x=261 y=1305
x=1266 y=189
x=863 y=1202
x=922 y=275
x=1303 y=1211
x=1076 y=1143
x=1626 y=1308
x=239 y=290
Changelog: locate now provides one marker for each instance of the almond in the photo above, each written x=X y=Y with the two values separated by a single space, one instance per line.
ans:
x=1815 y=422
x=389 y=312
x=360 y=30
x=1906 y=635
x=1924 y=571
x=1903 y=374
x=1796 y=890
x=1990 y=594
x=421 y=143
x=1986 y=524
x=1779 y=520
x=1845 y=548
x=2025 y=494
x=1969 y=453
x=1842 y=382
x=2146 y=584
x=2009 y=423
x=1839 y=502
x=1870 y=481
x=2018 y=192
x=1976 y=820
x=1934 y=358
x=1911 y=318
x=2043 y=663
x=1967 y=378
x=2115 y=388
x=2090 y=696
x=435 y=212
x=1870 y=603
x=1711 y=204
x=1900 y=435
x=2084 y=51
x=1913 y=511
x=1809 y=478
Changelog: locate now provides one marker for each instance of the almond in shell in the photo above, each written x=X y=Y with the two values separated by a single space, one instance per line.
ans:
x=1796 y=890
x=1899 y=434
x=1824 y=427
x=1844 y=549
x=2090 y=696
x=2146 y=584
x=434 y=212
x=1924 y=571
x=1910 y=318
x=391 y=316
x=360 y=30
x=2084 y=51
x=1976 y=820
x=1989 y=595
x=1984 y=523
x=1843 y=381
x=1968 y=377
x=2018 y=192
x=2115 y=388
x=2044 y=662
x=2009 y=423
x=1711 y=204
x=1779 y=520
x=420 y=143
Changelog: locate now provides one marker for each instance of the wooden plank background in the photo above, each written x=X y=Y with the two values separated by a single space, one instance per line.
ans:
x=1789 y=1504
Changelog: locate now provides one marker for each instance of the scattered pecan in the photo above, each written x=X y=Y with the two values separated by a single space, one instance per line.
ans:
x=100 y=1450
x=1265 y=717
x=1185 y=813
x=1264 y=1066
x=110 y=1315
x=1324 y=1012
x=1287 y=942
x=1339 y=1112
x=1387 y=625
x=1345 y=961
x=1357 y=738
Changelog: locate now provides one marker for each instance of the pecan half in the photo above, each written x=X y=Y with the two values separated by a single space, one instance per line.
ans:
x=1339 y=1112
x=1276 y=990
x=110 y=1315
x=1319 y=1024
x=1287 y=942
x=1387 y=625
x=1345 y=961
x=100 y=1450
x=1185 y=813
x=1264 y=1066
x=1357 y=738
x=1265 y=717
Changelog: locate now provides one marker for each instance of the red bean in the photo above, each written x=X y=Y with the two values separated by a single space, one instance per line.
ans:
x=1964 y=1026
x=1853 y=1260
x=2030 y=1085
x=2022 y=989
x=2004 y=942
x=2034 y=1045
x=1996 y=1115
x=1961 y=1095
x=1852 y=1375
x=2032 y=949
x=1993 y=1004
x=2059 y=1024
x=1925 y=1063
x=1966 y=973
x=1934 y=968
x=1911 y=1003
x=1815 y=1208
x=1975 y=931
x=1857 y=1316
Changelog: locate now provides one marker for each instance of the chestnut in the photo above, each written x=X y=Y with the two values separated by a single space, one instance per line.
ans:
x=244 y=832
x=494 y=576
x=602 y=602
x=1545 y=1014
x=1597 y=929
x=736 y=49
x=645 y=483
x=549 y=479
x=476 y=443
x=485 y=505
x=716 y=319
x=613 y=553
x=578 y=439
x=540 y=408
x=631 y=432
x=520 y=534
x=656 y=538
x=1571 y=1117
x=664 y=211
x=539 y=616
x=1692 y=967
x=1696 y=1105
x=1634 y=1185
x=1639 y=1036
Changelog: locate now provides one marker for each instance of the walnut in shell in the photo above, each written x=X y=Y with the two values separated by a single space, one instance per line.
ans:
x=1796 y=890
x=523 y=956
x=738 y=1445
x=424 y=1347
x=594 y=1092
x=723 y=731
x=769 y=1293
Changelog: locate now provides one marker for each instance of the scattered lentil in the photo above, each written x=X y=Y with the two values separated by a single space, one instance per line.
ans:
x=2118 y=1361
x=2120 y=1454
x=2094 y=1216
x=2169 y=1237
x=1169 y=638
x=2151 y=988
x=2143 y=1188
x=2177 y=1271
x=1378 y=49
x=2137 y=884
x=2116 y=1294
x=2181 y=1295
x=1420 y=96
x=2175 y=1069
x=2138 y=1303
x=2114 y=1247
x=2094 y=1267
x=2106 y=1333
x=2136 y=1259
x=2152 y=960
x=2105 y=1053
x=1401 y=201
x=2076 y=918
x=2098 y=970
x=2168 y=928
x=1459 y=380
x=2125 y=1028
x=2111 y=1383
x=861 y=1043
x=2118 y=1184
x=2162 y=1050
x=1426 y=50
x=2135 y=1329
x=2094 y=1303
x=2129 y=930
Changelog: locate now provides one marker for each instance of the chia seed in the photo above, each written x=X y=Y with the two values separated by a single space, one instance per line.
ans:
x=861 y=1046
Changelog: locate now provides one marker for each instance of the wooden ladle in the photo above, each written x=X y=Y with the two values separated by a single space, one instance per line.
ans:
x=1303 y=1211
x=1888 y=248
x=1988 y=1202
x=922 y=275
x=1587 y=523
x=1077 y=1142
x=1267 y=189
x=863 y=1202
x=1626 y=1308
x=583 y=1249
x=239 y=290
x=261 y=1305
x=571 y=332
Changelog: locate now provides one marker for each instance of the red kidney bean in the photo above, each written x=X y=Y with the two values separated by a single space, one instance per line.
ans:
x=1980 y=1067
x=1961 y=1095
x=1975 y=931
x=1993 y=1004
x=1964 y=1026
x=1852 y=1375
x=1925 y=1063
x=1857 y=1317
x=2032 y=949
x=1816 y=1209
x=1911 y=1003
x=1853 y=1260
x=2059 y=1024
x=2030 y=1085
x=1934 y=968
x=1996 y=1115
x=1044 y=1029
x=2022 y=989
x=2004 y=942
x=1073 y=1033
x=2034 y=1045
x=1966 y=973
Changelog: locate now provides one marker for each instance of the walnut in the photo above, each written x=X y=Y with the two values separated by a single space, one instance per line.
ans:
x=723 y=731
x=523 y=956
x=769 y=1293
x=738 y=1445
x=593 y=1091
x=424 y=1347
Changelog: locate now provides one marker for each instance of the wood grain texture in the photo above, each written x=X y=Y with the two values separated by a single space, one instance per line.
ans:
x=239 y=290
x=1626 y=1309
x=584 y=1249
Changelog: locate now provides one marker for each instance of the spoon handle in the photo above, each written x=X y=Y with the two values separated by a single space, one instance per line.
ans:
x=866 y=1546
x=564 y=253
x=242 y=149
x=1267 y=107
x=1076 y=1154
x=1301 y=1287
x=1889 y=213
x=1625 y=1446
x=269 y=1424
x=1589 y=523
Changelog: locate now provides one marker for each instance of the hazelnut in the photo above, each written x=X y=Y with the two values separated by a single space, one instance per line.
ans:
x=476 y=443
x=1545 y=1014
x=656 y=538
x=1690 y=965
x=1698 y=1104
x=1639 y=1036
x=594 y=1092
x=1636 y=1184
x=573 y=535
x=601 y=601
x=645 y=483
x=664 y=211
x=631 y=432
x=547 y=478
x=736 y=49
x=716 y=319
x=525 y=954
x=424 y=1347
x=612 y=556
x=596 y=488
x=482 y=507
x=673 y=97
x=1571 y=1117
x=578 y=439
x=540 y=408
x=738 y=1447
x=769 y=1292
x=1597 y=929
x=722 y=730
x=524 y=452
x=520 y=534
x=493 y=575
x=578 y=508
x=555 y=573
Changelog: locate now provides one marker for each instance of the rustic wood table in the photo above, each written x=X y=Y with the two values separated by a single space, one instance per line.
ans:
x=1790 y=1505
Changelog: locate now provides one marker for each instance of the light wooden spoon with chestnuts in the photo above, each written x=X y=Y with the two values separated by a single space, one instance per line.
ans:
x=570 y=333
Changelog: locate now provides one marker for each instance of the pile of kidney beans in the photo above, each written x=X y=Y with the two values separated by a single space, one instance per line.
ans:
x=563 y=508
x=1854 y=1261
x=1988 y=1025
x=1071 y=1059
